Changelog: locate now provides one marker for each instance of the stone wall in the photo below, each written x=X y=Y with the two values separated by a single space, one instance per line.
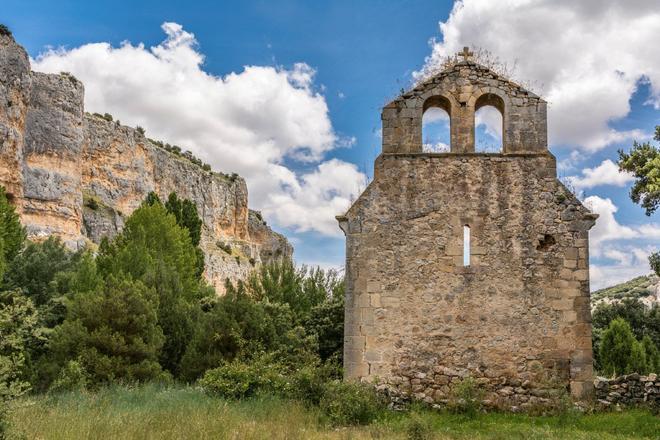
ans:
x=519 y=313
x=461 y=91
x=79 y=176
x=629 y=390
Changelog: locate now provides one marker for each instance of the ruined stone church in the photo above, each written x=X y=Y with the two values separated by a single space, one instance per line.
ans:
x=466 y=264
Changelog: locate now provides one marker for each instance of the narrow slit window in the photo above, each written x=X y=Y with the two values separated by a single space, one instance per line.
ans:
x=466 y=245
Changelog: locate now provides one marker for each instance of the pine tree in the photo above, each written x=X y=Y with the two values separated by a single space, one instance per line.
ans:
x=652 y=355
x=616 y=347
x=637 y=362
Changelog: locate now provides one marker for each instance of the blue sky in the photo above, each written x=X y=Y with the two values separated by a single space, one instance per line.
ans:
x=338 y=63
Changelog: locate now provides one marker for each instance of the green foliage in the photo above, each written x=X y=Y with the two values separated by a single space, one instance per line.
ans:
x=466 y=398
x=326 y=321
x=185 y=212
x=72 y=377
x=34 y=270
x=633 y=289
x=19 y=329
x=418 y=428
x=113 y=332
x=616 y=347
x=140 y=130
x=4 y=30
x=235 y=326
x=642 y=320
x=643 y=162
x=654 y=262
x=637 y=361
x=238 y=380
x=652 y=355
x=12 y=233
x=187 y=412
x=152 y=199
x=300 y=288
x=347 y=403
x=152 y=248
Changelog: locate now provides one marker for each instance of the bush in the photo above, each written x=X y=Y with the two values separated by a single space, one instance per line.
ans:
x=71 y=378
x=466 y=398
x=92 y=204
x=351 y=403
x=4 y=30
x=238 y=380
x=637 y=361
x=418 y=428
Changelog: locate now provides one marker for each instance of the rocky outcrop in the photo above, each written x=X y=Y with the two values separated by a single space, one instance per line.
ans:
x=78 y=175
x=628 y=390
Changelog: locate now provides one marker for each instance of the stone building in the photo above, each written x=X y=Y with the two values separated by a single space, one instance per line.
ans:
x=465 y=264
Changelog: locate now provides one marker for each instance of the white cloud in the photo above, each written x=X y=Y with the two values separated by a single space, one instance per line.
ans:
x=569 y=163
x=248 y=122
x=607 y=228
x=588 y=56
x=607 y=173
x=316 y=196
x=622 y=251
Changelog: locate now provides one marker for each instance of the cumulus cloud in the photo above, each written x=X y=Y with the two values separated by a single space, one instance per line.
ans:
x=607 y=173
x=250 y=122
x=622 y=250
x=587 y=56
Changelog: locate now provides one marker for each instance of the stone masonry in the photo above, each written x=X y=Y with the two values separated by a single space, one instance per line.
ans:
x=516 y=318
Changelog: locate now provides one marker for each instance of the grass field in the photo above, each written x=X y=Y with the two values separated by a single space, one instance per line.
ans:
x=153 y=412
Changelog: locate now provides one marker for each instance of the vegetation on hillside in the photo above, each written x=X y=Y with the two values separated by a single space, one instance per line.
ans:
x=634 y=289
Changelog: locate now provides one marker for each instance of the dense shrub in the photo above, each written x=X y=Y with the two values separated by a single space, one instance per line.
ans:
x=346 y=403
x=112 y=332
x=71 y=378
x=238 y=380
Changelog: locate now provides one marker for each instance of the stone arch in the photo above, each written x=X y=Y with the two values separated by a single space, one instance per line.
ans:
x=495 y=101
x=492 y=96
x=440 y=102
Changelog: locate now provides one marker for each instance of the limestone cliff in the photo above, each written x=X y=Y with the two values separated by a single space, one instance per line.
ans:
x=78 y=176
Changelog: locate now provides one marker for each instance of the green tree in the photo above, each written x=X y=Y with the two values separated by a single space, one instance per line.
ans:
x=652 y=355
x=154 y=249
x=642 y=321
x=19 y=329
x=616 y=347
x=12 y=233
x=326 y=321
x=185 y=212
x=112 y=332
x=654 y=262
x=637 y=362
x=35 y=268
x=643 y=162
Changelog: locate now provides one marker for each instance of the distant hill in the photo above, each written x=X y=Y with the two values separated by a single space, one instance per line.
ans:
x=645 y=288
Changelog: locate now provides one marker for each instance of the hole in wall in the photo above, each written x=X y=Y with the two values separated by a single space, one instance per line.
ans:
x=546 y=242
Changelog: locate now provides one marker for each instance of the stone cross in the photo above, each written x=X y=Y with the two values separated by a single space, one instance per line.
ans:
x=466 y=54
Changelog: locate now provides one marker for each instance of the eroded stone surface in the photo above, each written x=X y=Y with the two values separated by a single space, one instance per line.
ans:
x=79 y=176
x=517 y=318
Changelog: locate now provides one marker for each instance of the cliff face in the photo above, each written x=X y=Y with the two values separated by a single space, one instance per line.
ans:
x=78 y=176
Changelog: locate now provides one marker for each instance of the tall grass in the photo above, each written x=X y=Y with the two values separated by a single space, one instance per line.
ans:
x=160 y=412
